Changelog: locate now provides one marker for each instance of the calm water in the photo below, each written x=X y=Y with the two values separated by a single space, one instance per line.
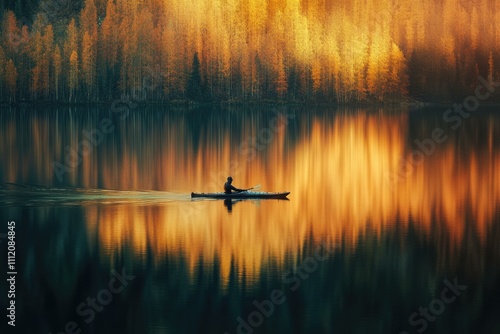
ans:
x=386 y=230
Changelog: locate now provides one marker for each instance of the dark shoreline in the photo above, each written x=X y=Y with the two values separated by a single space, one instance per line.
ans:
x=415 y=104
x=263 y=103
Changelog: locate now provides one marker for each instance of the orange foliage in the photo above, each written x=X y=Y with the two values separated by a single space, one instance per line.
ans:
x=265 y=49
x=11 y=79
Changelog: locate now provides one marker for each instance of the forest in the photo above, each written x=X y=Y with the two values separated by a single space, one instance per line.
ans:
x=327 y=51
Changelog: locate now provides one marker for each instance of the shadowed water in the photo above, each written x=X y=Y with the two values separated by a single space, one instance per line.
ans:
x=381 y=219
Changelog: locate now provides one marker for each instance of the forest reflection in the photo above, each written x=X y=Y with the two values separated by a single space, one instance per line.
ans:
x=334 y=165
x=393 y=243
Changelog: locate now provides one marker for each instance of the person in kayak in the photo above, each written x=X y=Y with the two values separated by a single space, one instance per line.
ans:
x=228 y=187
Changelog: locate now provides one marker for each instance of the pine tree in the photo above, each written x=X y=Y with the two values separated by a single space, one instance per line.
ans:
x=194 y=88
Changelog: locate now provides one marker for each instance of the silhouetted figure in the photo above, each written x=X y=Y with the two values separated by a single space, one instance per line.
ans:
x=228 y=187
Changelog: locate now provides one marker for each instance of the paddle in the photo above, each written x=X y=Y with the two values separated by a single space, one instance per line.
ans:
x=254 y=187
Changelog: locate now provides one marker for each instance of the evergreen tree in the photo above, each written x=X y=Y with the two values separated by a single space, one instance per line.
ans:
x=194 y=89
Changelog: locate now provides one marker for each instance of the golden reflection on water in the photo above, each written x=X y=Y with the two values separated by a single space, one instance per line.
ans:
x=336 y=173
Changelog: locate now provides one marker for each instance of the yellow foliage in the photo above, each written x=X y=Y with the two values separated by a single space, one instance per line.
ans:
x=11 y=78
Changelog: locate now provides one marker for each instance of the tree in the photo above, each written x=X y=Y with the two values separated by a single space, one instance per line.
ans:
x=257 y=16
x=378 y=64
x=3 y=64
x=11 y=33
x=474 y=29
x=88 y=18
x=448 y=47
x=57 y=64
x=11 y=79
x=398 y=80
x=316 y=75
x=48 y=45
x=73 y=76
x=410 y=37
x=491 y=67
x=37 y=56
x=108 y=47
x=88 y=26
x=194 y=88
x=145 y=55
x=71 y=43
x=88 y=65
x=126 y=36
x=448 y=68
x=281 y=79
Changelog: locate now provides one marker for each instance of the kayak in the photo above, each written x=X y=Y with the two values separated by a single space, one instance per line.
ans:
x=243 y=194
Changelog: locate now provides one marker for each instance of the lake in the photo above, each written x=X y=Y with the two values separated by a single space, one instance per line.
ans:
x=392 y=224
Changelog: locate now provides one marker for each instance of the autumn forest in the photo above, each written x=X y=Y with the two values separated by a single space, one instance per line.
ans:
x=246 y=50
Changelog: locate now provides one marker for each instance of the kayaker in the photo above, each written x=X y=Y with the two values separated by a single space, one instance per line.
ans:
x=228 y=187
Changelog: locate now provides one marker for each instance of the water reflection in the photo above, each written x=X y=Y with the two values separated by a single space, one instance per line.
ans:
x=228 y=203
x=394 y=241
x=336 y=172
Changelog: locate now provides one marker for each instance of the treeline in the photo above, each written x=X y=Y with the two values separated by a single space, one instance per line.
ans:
x=224 y=50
